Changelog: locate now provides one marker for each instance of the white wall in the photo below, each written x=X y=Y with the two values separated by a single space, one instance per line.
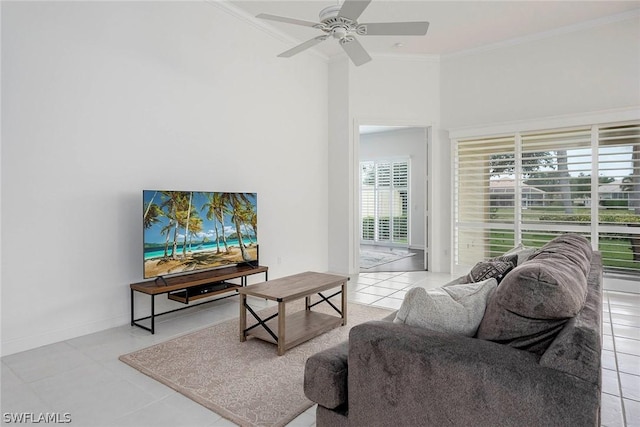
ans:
x=592 y=69
x=395 y=88
x=404 y=143
x=577 y=77
x=341 y=185
x=103 y=99
x=390 y=90
x=578 y=71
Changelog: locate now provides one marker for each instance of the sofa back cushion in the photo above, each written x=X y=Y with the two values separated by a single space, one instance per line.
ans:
x=572 y=248
x=535 y=300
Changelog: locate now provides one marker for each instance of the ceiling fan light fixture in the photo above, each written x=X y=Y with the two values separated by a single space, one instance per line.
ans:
x=339 y=32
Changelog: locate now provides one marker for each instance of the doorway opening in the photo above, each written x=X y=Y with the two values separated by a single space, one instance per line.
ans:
x=392 y=198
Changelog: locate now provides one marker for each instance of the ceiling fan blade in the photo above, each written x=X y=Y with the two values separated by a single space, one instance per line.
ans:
x=352 y=9
x=356 y=52
x=396 y=29
x=304 y=46
x=287 y=20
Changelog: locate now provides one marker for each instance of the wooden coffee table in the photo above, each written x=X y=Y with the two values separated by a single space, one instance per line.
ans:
x=287 y=331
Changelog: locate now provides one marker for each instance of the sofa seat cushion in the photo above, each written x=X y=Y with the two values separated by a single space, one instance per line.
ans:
x=535 y=300
x=456 y=309
x=325 y=376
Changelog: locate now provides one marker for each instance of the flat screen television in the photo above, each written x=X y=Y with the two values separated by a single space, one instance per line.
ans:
x=187 y=231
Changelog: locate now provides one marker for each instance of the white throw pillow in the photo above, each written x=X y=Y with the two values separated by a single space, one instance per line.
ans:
x=453 y=309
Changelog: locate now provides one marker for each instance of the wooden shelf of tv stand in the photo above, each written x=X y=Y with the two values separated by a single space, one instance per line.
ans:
x=206 y=290
x=185 y=281
x=178 y=288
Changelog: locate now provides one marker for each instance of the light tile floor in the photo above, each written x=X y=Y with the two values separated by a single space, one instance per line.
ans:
x=84 y=377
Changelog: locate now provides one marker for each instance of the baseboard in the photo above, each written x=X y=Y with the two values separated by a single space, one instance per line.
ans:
x=21 y=344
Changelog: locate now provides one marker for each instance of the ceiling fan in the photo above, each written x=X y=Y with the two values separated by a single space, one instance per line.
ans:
x=341 y=23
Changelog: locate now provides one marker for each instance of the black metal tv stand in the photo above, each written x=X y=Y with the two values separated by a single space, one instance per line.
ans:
x=186 y=288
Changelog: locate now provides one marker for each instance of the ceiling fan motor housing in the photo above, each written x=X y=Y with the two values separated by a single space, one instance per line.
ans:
x=339 y=27
x=329 y=12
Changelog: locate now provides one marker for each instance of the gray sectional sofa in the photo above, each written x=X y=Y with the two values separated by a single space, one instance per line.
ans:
x=533 y=361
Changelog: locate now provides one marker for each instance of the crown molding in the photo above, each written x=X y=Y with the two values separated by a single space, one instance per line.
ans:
x=632 y=14
x=228 y=7
x=624 y=114
x=261 y=25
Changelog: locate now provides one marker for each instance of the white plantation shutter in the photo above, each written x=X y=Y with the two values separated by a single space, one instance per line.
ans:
x=484 y=198
x=384 y=201
x=555 y=184
x=400 y=196
x=383 y=198
x=367 y=201
x=532 y=186
x=619 y=207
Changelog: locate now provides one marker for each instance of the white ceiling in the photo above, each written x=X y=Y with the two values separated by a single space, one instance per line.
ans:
x=455 y=26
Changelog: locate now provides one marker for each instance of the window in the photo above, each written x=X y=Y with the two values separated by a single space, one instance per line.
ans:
x=384 y=201
x=619 y=196
x=532 y=186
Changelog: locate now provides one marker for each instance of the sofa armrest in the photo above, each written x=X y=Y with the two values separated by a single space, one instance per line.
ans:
x=403 y=375
x=325 y=376
x=577 y=348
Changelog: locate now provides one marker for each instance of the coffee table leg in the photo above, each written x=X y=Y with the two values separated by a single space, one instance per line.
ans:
x=344 y=303
x=243 y=317
x=281 y=335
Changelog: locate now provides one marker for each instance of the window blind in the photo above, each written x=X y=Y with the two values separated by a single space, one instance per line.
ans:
x=619 y=207
x=484 y=205
x=529 y=187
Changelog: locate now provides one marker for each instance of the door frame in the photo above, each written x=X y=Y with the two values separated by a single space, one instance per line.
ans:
x=355 y=167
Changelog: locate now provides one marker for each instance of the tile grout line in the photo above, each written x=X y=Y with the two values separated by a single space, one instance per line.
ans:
x=615 y=357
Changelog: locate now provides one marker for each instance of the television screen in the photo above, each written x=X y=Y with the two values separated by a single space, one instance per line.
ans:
x=185 y=231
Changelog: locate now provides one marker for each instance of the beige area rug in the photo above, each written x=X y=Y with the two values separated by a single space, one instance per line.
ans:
x=247 y=382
